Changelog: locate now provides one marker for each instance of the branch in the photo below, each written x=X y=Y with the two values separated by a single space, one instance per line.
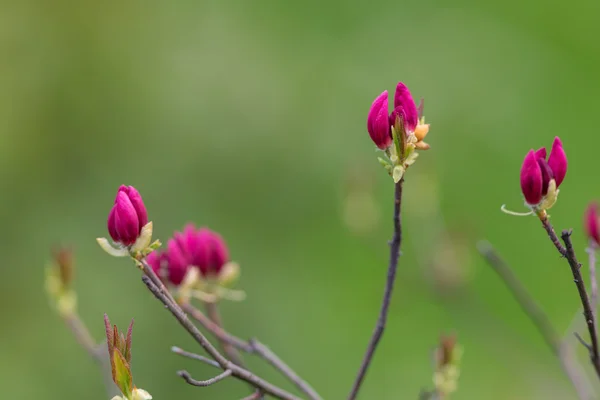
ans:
x=213 y=313
x=188 y=378
x=252 y=346
x=224 y=363
x=195 y=356
x=387 y=295
x=535 y=314
x=591 y=250
x=585 y=301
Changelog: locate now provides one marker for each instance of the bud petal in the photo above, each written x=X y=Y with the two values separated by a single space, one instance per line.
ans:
x=219 y=254
x=112 y=230
x=547 y=175
x=403 y=99
x=378 y=124
x=592 y=223
x=178 y=260
x=558 y=161
x=531 y=179
x=126 y=221
x=138 y=204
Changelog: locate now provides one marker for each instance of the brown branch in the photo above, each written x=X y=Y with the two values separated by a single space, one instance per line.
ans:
x=537 y=316
x=254 y=396
x=591 y=250
x=387 y=295
x=194 y=356
x=83 y=336
x=188 y=378
x=252 y=346
x=225 y=364
x=213 y=313
x=552 y=235
x=585 y=301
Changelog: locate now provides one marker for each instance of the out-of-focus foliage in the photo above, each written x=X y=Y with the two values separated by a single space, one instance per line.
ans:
x=250 y=117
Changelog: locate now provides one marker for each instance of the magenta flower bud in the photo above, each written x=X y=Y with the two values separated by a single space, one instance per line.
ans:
x=592 y=224
x=127 y=217
x=531 y=179
x=558 y=161
x=178 y=259
x=157 y=260
x=378 y=123
x=211 y=252
x=547 y=175
x=405 y=105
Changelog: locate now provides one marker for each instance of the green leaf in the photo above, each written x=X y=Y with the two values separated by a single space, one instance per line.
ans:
x=122 y=374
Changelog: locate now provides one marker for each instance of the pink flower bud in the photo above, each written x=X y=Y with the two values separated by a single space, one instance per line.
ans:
x=178 y=259
x=405 y=106
x=158 y=261
x=378 y=123
x=592 y=223
x=127 y=217
x=531 y=179
x=558 y=161
x=211 y=252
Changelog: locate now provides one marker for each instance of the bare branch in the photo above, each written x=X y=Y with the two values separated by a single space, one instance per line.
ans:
x=536 y=315
x=254 y=396
x=225 y=364
x=195 y=356
x=591 y=250
x=83 y=336
x=188 y=378
x=387 y=295
x=585 y=301
x=252 y=346
x=213 y=313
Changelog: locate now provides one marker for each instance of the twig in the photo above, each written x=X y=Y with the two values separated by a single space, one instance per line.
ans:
x=254 y=396
x=195 y=356
x=252 y=346
x=552 y=235
x=535 y=314
x=83 y=336
x=591 y=250
x=585 y=301
x=225 y=364
x=213 y=313
x=188 y=378
x=387 y=295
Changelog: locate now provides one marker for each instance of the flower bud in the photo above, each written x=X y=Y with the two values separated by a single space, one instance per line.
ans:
x=558 y=161
x=378 y=123
x=127 y=217
x=405 y=105
x=592 y=223
x=211 y=253
x=531 y=179
x=178 y=257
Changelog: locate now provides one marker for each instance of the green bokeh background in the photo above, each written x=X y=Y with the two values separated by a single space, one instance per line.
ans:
x=250 y=117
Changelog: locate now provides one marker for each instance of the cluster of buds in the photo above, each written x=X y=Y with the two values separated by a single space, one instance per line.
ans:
x=59 y=277
x=541 y=178
x=128 y=226
x=398 y=133
x=447 y=358
x=197 y=263
x=119 y=351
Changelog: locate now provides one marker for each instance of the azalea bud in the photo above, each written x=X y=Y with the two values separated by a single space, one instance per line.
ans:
x=531 y=179
x=405 y=105
x=592 y=223
x=178 y=257
x=211 y=253
x=558 y=161
x=378 y=123
x=127 y=217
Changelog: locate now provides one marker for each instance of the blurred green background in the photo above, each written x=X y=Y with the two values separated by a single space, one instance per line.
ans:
x=250 y=117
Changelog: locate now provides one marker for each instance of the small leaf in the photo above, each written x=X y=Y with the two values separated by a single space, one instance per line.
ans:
x=122 y=376
x=144 y=239
x=107 y=247
x=398 y=173
x=128 y=343
x=229 y=273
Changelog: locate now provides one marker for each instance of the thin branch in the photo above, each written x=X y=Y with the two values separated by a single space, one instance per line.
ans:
x=213 y=313
x=591 y=250
x=583 y=342
x=83 y=336
x=252 y=346
x=552 y=235
x=195 y=356
x=387 y=295
x=188 y=378
x=225 y=364
x=536 y=315
x=254 y=396
x=585 y=301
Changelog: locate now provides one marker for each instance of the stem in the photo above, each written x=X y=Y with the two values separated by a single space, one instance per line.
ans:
x=253 y=347
x=225 y=364
x=213 y=313
x=387 y=295
x=188 y=378
x=585 y=301
x=591 y=250
x=537 y=316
